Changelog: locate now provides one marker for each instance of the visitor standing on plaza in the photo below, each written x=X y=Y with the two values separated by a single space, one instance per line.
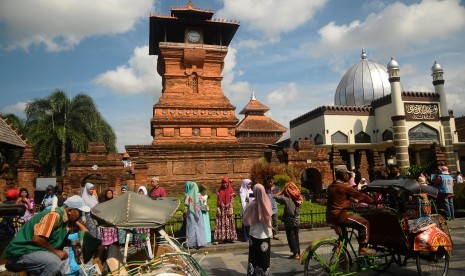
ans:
x=459 y=178
x=245 y=194
x=271 y=189
x=90 y=199
x=139 y=240
x=257 y=216
x=340 y=196
x=157 y=190
x=36 y=249
x=445 y=184
x=195 y=227
x=225 y=228
x=9 y=225
x=292 y=199
x=108 y=235
x=50 y=200
x=206 y=214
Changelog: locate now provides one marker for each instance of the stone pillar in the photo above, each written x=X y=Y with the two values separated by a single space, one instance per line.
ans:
x=417 y=158
x=382 y=157
x=448 y=144
x=398 y=120
x=28 y=170
x=352 y=161
x=457 y=161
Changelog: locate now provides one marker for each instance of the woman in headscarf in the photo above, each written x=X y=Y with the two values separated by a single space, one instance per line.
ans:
x=245 y=194
x=257 y=216
x=141 y=233
x=195 y=228
x=292 y=199
x=108 y=235
x=225 y=228
x=89 y=197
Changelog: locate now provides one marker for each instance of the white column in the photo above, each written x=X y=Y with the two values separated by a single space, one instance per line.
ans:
x=352 y=160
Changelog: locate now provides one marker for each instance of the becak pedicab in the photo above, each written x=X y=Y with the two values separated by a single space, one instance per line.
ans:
x=165 y=257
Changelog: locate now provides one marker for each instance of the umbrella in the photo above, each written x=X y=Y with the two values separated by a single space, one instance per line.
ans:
x=409 y=185
x=132 y=210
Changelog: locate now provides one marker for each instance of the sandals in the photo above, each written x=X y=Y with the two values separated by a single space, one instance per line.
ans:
x=275 y=237
x=366 y=251
x=295 y=256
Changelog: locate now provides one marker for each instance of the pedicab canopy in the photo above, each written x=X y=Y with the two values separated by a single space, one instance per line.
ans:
x=132 y=210
x=410 y=186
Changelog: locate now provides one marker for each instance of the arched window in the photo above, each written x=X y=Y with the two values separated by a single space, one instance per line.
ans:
x=318 y=139
x=423 y=132
x=387 y=135
x=362 y=137
x=339 y=137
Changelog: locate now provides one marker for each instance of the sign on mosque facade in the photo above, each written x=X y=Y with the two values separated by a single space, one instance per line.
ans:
x=421 y=112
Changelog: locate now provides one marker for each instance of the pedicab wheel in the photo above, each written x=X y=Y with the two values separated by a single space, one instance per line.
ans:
x=322 y=260
x=433 y=262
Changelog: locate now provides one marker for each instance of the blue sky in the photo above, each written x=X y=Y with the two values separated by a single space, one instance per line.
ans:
x=292 y=53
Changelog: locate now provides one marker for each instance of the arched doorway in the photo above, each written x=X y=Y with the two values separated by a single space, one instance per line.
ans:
x=311 y=179
x=100 y=182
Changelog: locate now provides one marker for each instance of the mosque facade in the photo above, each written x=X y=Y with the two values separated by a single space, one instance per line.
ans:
x=374 y=116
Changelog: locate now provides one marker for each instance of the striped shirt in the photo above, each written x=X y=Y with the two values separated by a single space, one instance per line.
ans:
x=46 y=225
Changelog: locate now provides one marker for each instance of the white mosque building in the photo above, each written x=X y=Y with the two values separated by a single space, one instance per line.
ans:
x=371 y=112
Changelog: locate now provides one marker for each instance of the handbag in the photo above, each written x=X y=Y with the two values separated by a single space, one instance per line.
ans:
x=230 y=212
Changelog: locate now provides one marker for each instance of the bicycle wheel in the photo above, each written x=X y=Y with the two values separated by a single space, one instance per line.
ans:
x=433 y=262
x=323 y=260
x=383 y=260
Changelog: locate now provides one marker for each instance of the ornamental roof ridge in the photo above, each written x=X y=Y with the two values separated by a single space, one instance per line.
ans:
x=419 y=93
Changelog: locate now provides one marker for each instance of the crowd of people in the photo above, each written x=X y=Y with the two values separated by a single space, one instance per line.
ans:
x=57 y=215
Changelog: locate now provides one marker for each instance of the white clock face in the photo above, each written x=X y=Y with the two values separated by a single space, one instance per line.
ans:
x=193 y=36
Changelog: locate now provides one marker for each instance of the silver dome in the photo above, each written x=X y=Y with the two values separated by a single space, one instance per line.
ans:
x=437 y=68
x=364 y=82
x=393 y=64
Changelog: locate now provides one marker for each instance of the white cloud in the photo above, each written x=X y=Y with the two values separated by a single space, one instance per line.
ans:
x=138 y=76
x=271 y=17
x=233 y=89
x=396 y=28
x=17 y=108
x=132 y=131
x=60 y=25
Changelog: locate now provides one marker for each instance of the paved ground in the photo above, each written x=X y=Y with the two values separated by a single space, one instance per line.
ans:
x=231 y=259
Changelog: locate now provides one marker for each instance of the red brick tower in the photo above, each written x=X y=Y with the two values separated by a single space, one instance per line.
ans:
x=191 y=47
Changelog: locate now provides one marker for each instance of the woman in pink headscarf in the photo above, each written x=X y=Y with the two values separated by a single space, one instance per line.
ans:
x=225 y=228
x=257 y=216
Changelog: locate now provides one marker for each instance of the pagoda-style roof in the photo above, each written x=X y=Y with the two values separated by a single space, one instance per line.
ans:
x=9 y=136
x=255 y=119
x=171 y=28
x=254 y=106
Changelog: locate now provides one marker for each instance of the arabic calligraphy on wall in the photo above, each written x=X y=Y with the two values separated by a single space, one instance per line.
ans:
x=421 y=112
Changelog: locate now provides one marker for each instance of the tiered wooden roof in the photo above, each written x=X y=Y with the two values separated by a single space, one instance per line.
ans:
x=261 y=129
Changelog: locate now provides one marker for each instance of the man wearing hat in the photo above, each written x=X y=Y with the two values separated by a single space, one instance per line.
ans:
x=445 y=184
x=50 y=199
x=339 y=199
x=156 y=191
x=36 y=248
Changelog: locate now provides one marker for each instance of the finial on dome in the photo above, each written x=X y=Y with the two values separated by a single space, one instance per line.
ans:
x=190 y=5
x=364 y=54
x=252 y=98
x=392 y=64
x=436 y=68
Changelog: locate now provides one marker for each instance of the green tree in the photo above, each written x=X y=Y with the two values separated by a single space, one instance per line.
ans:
x=58 y=125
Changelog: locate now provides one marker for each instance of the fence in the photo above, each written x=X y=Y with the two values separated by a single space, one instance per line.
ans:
x=307 y=221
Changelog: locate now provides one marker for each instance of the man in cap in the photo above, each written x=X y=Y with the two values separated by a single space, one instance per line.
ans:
x=339 y=199
x=37 y=249
x=445 y=184
x=156 y=191
x=50 y=199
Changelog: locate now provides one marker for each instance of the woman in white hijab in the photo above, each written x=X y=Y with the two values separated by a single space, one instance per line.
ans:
x=245 y=194
x=89 y=197
x=142 y=234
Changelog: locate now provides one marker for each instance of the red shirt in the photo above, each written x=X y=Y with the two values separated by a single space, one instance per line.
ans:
x=157 y=192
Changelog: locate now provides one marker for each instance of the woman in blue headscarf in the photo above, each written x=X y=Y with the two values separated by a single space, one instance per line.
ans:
x=195 y=228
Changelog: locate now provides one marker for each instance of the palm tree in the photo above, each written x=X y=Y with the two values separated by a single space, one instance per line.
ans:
x=57 y=126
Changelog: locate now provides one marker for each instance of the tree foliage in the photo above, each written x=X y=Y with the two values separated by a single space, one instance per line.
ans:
x=57 y=125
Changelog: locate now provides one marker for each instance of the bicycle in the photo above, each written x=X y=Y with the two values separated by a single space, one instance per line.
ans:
x=329 y=256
